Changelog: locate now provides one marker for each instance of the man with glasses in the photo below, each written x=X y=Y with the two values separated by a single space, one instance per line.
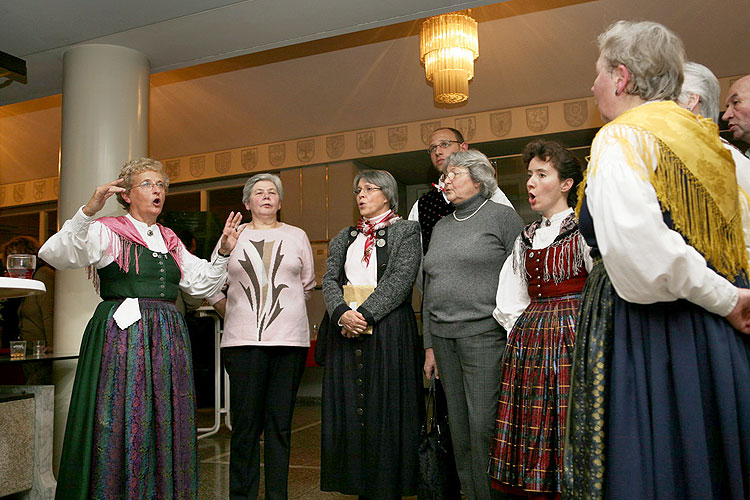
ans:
x=433 y=206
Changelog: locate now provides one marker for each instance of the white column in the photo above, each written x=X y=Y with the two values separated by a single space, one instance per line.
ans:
x=104 y=124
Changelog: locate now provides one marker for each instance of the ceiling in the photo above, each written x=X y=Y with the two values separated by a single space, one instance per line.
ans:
x=230 y=74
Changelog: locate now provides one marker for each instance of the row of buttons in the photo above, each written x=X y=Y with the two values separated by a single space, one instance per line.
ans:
x=360 y=395
x=161 y=270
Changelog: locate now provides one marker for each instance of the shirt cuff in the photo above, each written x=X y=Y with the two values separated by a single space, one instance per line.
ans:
x=80 y=220
x=717 y=295
x=218 y=259
x=216 y=298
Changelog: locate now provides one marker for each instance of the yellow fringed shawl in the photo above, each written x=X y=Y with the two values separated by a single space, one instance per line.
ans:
x=694 y=180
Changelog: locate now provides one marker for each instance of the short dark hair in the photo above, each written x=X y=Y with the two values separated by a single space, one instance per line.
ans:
x=566 y=164
x=457 y=133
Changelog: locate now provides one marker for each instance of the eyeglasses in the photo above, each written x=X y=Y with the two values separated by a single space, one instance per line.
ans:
x=450 y=176
x=441 y=145
x=150 y=185
x=367 y=190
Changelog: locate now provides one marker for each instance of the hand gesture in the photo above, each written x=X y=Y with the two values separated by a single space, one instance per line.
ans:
x=232 y=229
x=740 y=315
x=353 y=324
x=101 y=195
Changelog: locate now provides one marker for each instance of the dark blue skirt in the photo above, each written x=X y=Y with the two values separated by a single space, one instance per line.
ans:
x=660 y=401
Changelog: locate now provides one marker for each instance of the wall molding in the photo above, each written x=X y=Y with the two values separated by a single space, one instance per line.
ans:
x=494 y=125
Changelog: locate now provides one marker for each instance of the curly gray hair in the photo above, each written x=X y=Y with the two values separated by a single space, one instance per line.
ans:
x=135 y=167
x=651 y=52
x=479 y=167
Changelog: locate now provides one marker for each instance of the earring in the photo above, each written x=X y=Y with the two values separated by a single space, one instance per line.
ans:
x=617 y=92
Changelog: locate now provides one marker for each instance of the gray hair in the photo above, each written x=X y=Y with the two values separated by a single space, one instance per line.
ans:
x=385 y=181
x=135 y=167
x=479 y=167
x=252 y=181
x=701 y=82
x=651 y=52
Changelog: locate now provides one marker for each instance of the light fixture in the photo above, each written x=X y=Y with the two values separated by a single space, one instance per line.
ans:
x=12 y=68
x=448 y=45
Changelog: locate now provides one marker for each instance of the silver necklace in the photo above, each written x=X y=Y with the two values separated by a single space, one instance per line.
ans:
x=472 y=214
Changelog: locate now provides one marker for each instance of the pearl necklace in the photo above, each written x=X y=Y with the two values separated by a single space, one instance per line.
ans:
x=472 y=214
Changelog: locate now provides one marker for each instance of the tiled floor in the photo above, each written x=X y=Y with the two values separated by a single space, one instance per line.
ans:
x=304 y=474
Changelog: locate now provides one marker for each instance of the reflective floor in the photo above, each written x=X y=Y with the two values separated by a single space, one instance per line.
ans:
x=304 y=474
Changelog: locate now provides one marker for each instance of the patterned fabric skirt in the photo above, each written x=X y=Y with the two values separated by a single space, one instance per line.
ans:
x=660 y=401
x=131 y=425
x=527 y=446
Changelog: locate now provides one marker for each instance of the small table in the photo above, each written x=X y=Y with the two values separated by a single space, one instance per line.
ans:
x=13 y=288
x=210 y=312
x=50 y=356
x=44 y=484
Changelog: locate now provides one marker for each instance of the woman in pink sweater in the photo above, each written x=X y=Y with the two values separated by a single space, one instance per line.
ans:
x=266 y=336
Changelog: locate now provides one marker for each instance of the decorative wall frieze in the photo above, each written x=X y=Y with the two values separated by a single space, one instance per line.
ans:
x=351 y=145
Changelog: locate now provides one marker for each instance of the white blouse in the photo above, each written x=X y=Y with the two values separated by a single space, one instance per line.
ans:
x=512 y=293
x=742 y=169
x=82 y=241
x=357 y=272
x=646 y=261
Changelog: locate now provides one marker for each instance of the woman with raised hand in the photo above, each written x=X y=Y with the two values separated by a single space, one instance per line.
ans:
x=131 y=425
x=266 y=336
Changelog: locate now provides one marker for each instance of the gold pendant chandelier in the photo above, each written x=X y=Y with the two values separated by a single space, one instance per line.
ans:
x=448 y=45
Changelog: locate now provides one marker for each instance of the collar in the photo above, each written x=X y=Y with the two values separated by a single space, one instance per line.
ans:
x=469 y=205
x=557 y=218
x=141 y=226
x=378 y=218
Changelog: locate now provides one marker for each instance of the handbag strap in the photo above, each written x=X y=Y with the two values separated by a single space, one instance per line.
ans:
x=431 y=409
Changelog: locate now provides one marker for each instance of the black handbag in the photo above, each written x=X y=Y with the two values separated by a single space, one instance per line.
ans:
x=438 y=479
x=320 y=343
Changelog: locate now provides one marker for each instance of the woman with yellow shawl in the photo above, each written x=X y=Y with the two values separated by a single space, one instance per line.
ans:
x=660 y=392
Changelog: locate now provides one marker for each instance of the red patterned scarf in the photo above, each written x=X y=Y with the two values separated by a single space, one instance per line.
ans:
x=368 y=229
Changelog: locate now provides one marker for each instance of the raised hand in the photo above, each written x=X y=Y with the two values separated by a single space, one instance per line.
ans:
x=232 y=229
x=101 y=195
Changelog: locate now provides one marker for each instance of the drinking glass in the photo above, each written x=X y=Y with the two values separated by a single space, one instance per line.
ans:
x=17 y=349
x=37 y=347
x=21 y=265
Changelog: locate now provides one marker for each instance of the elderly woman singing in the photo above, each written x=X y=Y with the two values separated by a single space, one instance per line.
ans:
x=131 y=425
x=372 y=387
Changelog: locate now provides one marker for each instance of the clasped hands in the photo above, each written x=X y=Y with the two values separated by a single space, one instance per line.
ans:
x=352 y=324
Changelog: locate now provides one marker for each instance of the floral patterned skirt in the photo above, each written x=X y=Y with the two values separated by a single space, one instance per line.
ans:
x=131 y=425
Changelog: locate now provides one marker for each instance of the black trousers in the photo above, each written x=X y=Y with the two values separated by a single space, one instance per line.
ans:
x=263 y=382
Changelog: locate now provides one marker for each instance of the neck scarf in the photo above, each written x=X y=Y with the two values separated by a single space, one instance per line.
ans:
x=695 y=180
x=124 y=235
x=368 y=228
